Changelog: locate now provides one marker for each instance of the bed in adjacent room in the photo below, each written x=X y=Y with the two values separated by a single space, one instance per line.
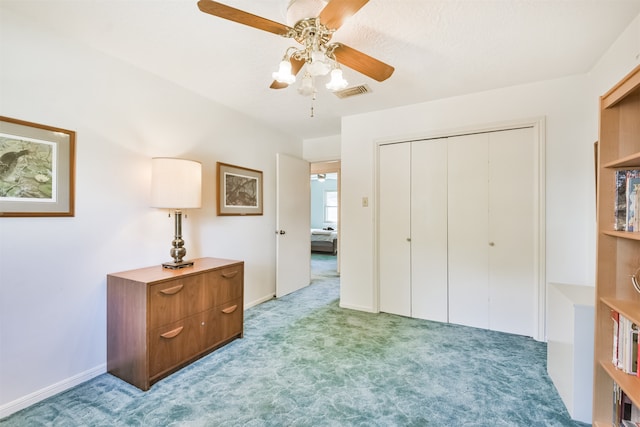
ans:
x=324 y=240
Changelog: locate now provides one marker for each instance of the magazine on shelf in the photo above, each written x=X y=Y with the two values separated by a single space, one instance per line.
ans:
x=627 y=200
x=620 y=205
x=633 y=201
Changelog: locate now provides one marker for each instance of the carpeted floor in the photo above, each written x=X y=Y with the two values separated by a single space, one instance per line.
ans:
x=306 y=362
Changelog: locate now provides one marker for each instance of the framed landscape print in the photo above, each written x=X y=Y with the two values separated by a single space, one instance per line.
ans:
x=239 y=190
x=37 y=169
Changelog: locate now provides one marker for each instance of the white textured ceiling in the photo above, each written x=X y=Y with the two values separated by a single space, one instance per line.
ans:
x=439 y=48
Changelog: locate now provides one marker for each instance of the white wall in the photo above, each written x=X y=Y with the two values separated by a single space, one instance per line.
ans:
x=322 y=149
x=619 y=59
x=53 y=270
x=570 y=106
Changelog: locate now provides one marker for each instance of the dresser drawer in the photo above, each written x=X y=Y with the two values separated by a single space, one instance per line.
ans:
x=221 y=323
x=172 y=344
x=224 y=285
x=174 y=300
x=230 y=319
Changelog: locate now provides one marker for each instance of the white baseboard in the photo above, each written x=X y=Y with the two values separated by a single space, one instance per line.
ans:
x=259 y=301
x=39 y=395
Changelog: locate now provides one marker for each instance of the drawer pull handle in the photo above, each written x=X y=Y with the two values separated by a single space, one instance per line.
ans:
x=173 y=290
x=173 y=333
x=230 y=274
x=229 y=310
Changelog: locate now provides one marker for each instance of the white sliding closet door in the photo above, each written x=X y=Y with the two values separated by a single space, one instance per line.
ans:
x=468 y=232
x=429 y=230
x=458 y=230
x=394 y=232
x=513 y=231
x=493 y=231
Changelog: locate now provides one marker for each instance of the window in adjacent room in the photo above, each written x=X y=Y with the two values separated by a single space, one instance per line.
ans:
x=330 y=206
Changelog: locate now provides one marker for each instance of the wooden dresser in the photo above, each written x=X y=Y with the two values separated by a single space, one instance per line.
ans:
x=159 y=320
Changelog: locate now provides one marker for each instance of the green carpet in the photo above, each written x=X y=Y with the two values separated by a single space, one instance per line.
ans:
x=306 y=362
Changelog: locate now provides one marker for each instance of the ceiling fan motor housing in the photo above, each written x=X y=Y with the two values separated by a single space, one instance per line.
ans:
x=298 y=10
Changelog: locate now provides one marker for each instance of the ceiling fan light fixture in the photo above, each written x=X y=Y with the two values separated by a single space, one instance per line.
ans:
x=307 y=87
x=301 y=9
x=318 y=66
x=284 y=75
x=337 y=81
x=312 y=24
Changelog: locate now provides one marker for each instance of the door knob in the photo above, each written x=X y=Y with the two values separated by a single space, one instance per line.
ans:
x=282 y=232
x=408 y=239
x=491 y=244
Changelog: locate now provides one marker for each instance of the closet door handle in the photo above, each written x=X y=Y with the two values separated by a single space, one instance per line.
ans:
x=408 y=239
x=492 y=244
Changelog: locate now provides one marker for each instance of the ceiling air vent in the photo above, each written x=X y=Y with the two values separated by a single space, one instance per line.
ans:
x=352 y=91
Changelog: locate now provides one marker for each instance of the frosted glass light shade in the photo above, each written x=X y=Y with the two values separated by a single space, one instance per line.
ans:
x=307 y=88
x=318 y=65
x=175 y=183
x=283 y=75
x=337 y=81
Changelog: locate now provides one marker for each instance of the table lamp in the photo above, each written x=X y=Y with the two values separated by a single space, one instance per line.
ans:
x=176 y=184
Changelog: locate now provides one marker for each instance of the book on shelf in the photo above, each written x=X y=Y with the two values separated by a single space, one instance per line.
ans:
x=627 y=200
x=626 y=345
x=625 y=413
x=616 y=325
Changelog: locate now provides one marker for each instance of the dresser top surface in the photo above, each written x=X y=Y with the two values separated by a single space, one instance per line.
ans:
x=158 y=273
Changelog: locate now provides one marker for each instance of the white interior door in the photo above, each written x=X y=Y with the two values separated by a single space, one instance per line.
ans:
x=468 y=230
x=513 y=231
x=394 y=246
x=293 y=213
x=429 y=288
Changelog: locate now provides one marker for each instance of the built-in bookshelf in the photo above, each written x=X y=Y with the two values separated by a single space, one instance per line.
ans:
x=618 y=256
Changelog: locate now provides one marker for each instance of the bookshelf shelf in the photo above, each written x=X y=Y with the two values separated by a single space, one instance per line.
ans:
x=630 y=161
x=618 y=255
x=623 y=234
x=629 y=383
x=629 y=309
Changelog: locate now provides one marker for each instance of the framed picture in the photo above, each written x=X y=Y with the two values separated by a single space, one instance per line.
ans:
x=37 y=169
x=239 y=190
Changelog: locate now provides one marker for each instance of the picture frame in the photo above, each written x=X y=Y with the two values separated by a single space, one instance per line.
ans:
x=239 y=190
x=37 y=169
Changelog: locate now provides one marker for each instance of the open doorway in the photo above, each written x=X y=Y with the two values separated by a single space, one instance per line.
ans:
x=325 y=215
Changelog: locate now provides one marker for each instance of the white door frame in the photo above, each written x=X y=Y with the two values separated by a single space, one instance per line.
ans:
x=538 y=124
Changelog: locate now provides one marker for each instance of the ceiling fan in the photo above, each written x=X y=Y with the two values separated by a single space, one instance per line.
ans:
x=317 y=51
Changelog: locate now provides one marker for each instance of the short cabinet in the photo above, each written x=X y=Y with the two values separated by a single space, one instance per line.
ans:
x=159 y=320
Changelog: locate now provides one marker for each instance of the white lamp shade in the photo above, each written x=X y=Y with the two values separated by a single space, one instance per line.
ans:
x=175 y=183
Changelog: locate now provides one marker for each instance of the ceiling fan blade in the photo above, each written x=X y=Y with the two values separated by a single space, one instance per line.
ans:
x=236 y=15
x=296 y=66
x=337 y=11
x=362 y=62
